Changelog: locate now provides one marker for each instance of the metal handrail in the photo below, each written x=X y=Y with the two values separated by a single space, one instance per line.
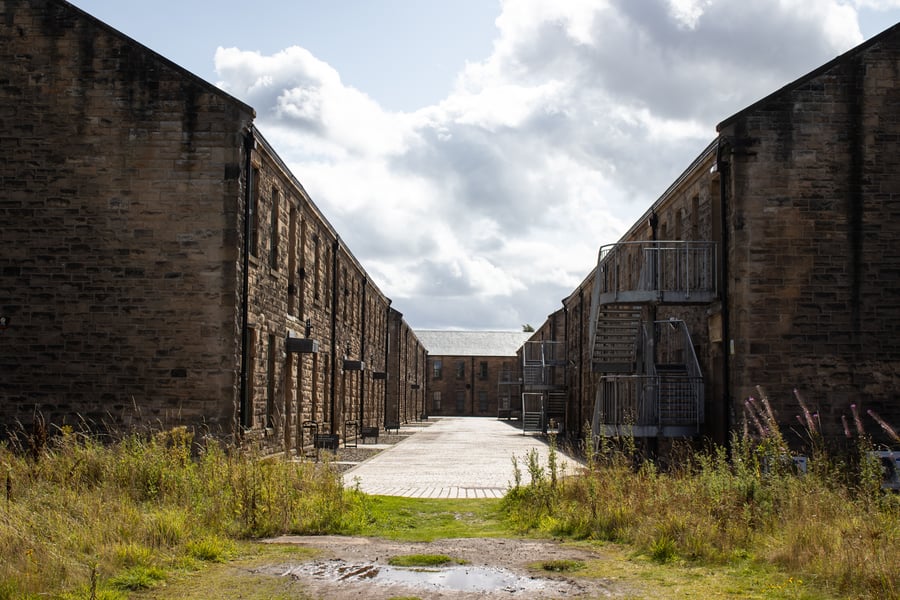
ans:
x=635 y=400
x=662 y=266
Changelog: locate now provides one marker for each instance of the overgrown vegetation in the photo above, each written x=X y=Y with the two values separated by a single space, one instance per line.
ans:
x=833 y=527
x=100 y=520
x=85 y=519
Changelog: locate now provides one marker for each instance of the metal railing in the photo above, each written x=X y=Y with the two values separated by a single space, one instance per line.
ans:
x=543 y=352
x=647 y=401
x=666 y=396
x=665 y=270
x=541 y=363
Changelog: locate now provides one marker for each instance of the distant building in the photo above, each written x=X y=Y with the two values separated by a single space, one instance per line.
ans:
x=473 y=373
x=160 y=264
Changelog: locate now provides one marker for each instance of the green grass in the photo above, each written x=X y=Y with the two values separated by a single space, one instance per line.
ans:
x=427 y=519
x=560 y=566
x=423 y=560
x=639 y=577
x=236 y=578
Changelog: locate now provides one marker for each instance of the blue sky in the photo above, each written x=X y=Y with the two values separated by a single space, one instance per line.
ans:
x=403 y=53
x=475 y=154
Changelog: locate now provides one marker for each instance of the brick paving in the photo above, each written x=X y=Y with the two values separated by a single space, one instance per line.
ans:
x=453 y=457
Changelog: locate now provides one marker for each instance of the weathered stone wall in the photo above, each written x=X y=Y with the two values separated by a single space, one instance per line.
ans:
x=128 y=187
x=814 y=221
x=575 y=332
x=406 y=363
x=305 y=283
x=120 y=183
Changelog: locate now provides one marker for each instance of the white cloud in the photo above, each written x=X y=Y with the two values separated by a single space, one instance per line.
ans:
x=877 y=4
x=487 y=208
x=295 y=90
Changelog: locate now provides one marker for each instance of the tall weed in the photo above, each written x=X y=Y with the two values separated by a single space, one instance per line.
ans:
x=833 y=525
x=83 y=518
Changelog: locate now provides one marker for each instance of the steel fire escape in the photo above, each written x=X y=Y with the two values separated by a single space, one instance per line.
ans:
x=509 y=390
x=544 y=386
x=650 y=382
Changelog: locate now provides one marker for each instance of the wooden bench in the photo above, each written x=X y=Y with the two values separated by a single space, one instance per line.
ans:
x=392 y=425
x=368 y=432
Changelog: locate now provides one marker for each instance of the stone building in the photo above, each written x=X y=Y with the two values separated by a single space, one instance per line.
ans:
x=771 y=261
x=408 y=357
x=473 y=373
x=160 y=264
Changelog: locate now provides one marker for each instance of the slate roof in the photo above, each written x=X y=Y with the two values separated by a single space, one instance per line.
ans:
x=472 y=343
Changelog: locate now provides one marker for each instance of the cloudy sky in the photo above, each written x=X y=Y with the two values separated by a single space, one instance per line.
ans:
x=474 y=154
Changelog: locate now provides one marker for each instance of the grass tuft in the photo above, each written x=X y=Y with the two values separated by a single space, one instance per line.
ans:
x=561 y=566
x=424 y=560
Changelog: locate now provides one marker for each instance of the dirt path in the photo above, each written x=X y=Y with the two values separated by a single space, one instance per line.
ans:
x=356 y=567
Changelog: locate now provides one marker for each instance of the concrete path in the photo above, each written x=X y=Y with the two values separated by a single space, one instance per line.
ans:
x=455 y=457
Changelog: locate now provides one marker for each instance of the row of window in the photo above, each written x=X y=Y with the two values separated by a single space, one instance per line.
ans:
x=349 y=288
x=438 y=369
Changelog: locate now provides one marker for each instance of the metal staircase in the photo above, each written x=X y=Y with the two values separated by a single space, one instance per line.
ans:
x=661 y=400
x=650 y=382
x=616 y=333
x=544 y=392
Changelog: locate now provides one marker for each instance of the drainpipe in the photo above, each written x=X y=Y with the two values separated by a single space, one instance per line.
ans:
x=425 y=384
x=653 y=221
x=472 y=384
x=334 y=350
x=244 y=408
x=387 y=361
x=402 y=369
x=362 y=353
x=567 y=371
x=723 y=168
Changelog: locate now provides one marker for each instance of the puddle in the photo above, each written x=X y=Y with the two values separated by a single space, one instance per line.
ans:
x=452 y=578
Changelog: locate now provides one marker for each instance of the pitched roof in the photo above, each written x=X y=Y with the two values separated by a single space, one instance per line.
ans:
x=472 y=343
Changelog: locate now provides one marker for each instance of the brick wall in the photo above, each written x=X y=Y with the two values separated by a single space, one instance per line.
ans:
x=120 y=187
x=129 y=187
x=813 y=217
x=470 y=385
x=406 y=363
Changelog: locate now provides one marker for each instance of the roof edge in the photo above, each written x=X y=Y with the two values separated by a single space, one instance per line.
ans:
x=168 y=62
x=863 y=47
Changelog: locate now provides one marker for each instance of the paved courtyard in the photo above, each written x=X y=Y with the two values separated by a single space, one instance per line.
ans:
x=453 y=457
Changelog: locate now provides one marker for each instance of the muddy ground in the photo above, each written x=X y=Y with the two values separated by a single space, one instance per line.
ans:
x=356 y=567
